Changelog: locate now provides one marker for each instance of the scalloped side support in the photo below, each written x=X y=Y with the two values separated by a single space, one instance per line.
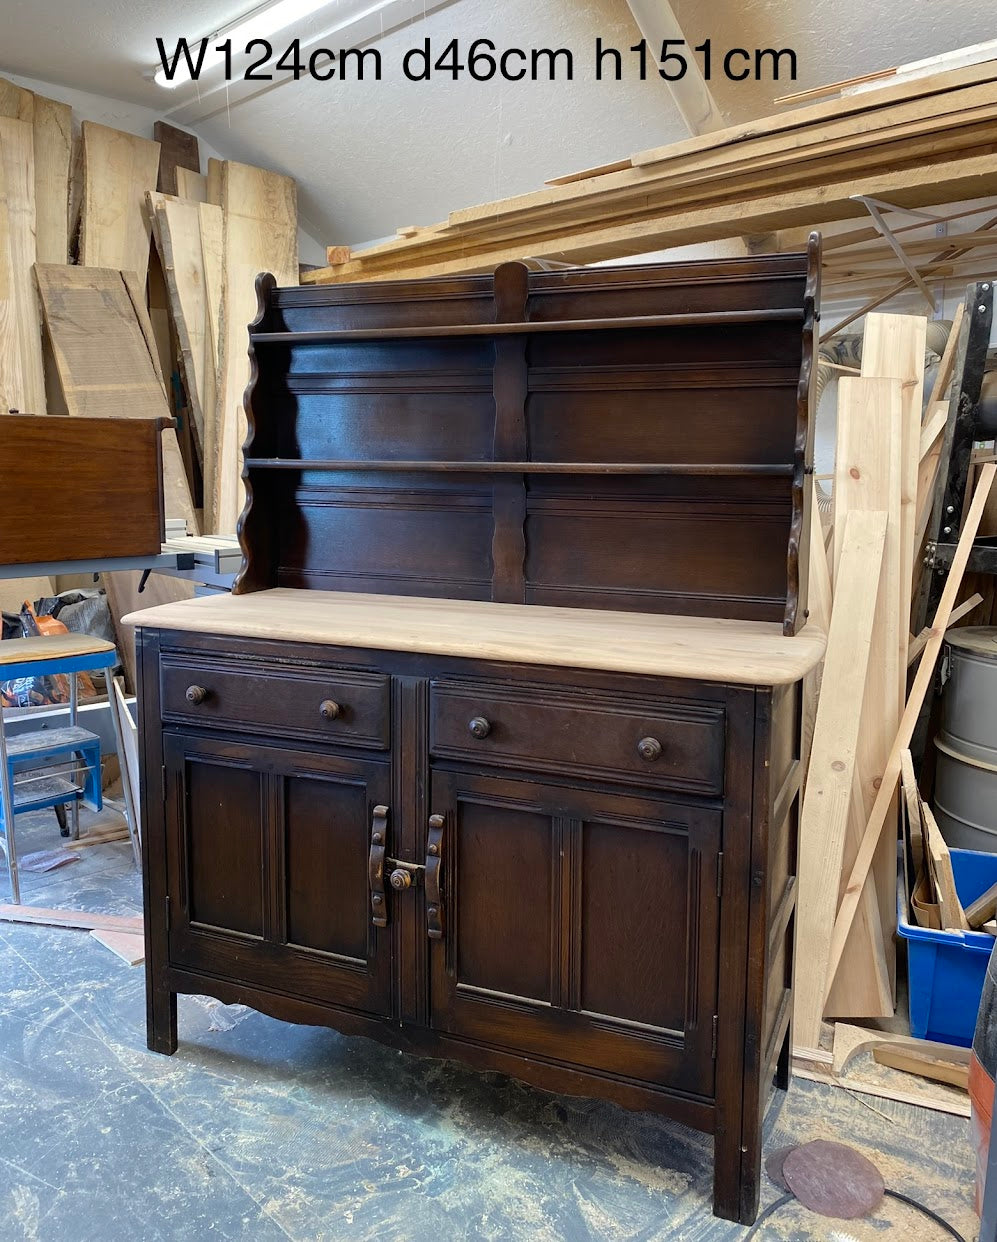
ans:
x=797 y=554
x=258 y=570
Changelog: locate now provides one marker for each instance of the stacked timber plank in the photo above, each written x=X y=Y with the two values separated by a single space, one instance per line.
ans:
x=913 y=143
x=863 y=718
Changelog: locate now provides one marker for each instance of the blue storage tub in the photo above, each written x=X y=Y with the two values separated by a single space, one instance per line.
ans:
x=945 y=969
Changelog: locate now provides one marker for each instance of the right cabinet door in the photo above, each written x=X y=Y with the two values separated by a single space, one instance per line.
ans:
x=578 y=926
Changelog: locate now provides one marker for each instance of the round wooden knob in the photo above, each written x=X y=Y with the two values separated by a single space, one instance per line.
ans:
x=329 y=709
x=479 y=727
x=400 y=879
x=649 y=748
x=196 y=694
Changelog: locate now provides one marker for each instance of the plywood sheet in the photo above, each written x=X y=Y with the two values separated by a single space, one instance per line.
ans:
x=22 y=378
x=118 y=169
x=103 y=361
x=260 y=235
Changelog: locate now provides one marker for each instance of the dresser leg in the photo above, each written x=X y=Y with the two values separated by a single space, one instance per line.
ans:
x=161 y=1009
x=735 y=1194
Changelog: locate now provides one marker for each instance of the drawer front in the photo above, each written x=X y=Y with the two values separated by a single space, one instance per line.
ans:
x=602 y=736
x=346 y=708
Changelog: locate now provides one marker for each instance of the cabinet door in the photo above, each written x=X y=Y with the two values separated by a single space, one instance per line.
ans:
x=581 y=927
x=267 y=861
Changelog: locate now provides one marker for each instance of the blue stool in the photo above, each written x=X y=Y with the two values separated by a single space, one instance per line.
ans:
x=49 y=767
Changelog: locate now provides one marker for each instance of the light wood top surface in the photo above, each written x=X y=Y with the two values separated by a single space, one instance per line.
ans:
x=53 y=647
x=744 y=652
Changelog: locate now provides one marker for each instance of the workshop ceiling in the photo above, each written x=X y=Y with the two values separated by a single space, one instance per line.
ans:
x=372 y=156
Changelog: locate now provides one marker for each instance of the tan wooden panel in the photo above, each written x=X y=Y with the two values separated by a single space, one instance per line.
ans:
x=744 y=652
x=828 y=795
x=53 y=138
x=22 y=378
x=118 y=169
x=260 y=235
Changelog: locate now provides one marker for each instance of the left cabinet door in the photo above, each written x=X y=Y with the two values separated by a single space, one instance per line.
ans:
x=268 y=869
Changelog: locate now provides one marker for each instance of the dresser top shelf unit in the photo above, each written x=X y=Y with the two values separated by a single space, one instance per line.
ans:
x=736 y=652
x=623 y=439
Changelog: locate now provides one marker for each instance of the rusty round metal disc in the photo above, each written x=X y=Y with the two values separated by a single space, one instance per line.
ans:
x=773 y=1166
x=833 y=1180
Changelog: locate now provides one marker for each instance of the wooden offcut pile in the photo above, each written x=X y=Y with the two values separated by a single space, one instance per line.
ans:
x=918 y=142
x=861 y=718
x=127 y=286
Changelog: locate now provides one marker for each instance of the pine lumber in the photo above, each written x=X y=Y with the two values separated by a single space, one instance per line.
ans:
x=104 y=363
x=22 y=377
x=177 y=149
x=82 y=920
x=867 y=477
x=828 y=793
x=950 y=908
x=118 y=169
x=52 y=129
x=940 y=1068
x=192 y=185
x=260 y=235
x=918 y=644
x=129 y=946
x=640 y=229
x=983 y=909
x=819 y=606
x=922 y=680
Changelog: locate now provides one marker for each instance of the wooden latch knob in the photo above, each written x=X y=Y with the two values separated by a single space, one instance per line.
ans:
x=649 y=749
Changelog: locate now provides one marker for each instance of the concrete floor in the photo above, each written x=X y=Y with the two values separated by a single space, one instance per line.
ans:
x=259 y=1130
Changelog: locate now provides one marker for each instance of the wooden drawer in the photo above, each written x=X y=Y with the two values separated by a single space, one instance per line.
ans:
x=330 y=705
x=602 y=736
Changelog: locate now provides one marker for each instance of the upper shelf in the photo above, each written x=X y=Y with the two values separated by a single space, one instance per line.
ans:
x=777 y=469
x=692 y=319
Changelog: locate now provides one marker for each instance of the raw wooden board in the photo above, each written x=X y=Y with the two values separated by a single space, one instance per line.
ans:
x=260 y=235
x=22 y=378
x=82 y=920
x=828 y=794
x=743 y=652
x=177 y=149
x=641 y=230
x=178 y=236
x=922 y=679
x=53 y=140
x=129 y=946
x=192 y=185
x=102 y=357
x=819 y=607
x=16 y=102
x=118 y=169
x=950 y=908
x=867 y=477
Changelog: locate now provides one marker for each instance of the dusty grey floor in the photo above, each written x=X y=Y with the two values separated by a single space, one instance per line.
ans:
x=260 y=1130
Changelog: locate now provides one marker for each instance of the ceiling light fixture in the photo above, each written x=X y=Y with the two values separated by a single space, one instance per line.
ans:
x=262 y=22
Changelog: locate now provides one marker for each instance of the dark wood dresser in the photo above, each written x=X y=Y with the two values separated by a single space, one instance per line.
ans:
x=494 y=752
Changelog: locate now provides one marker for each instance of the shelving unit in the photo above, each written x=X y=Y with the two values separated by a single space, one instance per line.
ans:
x=599 y=438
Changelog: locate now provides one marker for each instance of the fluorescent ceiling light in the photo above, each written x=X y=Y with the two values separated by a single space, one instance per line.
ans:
x=259 y=24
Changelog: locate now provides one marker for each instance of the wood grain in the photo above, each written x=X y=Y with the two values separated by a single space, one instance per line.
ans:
x=52 y=129
x=118 y=169
x=828 y=793
x=260 y=235
x=22 y=379
x=743 y=652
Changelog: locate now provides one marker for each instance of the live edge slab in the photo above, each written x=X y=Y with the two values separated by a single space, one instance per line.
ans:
x=552 y=842
x=493 y=752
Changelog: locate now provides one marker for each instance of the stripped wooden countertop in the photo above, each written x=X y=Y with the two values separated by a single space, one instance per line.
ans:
x=709 y=649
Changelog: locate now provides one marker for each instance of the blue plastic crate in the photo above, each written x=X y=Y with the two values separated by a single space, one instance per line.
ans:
x=946 y=968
